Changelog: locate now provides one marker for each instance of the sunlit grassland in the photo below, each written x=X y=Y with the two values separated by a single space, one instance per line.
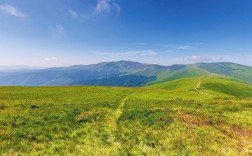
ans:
x=125 y=121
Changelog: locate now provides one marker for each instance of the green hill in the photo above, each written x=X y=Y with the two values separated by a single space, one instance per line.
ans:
x=228 y=87
x=218 y=70
x=210 y=86
x=229 y=69
x=180 y=84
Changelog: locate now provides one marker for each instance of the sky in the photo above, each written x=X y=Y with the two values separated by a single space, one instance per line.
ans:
x=69 y=32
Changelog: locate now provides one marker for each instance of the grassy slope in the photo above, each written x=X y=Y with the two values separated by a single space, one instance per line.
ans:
x=180 y=84
x=211 y=86
x=189 y=71
x=228 y=87
x=126 y=121
x=229 y=69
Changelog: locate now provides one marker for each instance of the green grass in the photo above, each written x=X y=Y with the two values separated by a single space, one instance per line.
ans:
x=211 y=86
x=180 y=84
x=229 y=69
x=166 y=119
x=228 y=87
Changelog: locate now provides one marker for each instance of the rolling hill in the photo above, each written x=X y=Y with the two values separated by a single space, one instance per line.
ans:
x=189 y=116
x=195 y=112
x=208 y=86
x=123 y=73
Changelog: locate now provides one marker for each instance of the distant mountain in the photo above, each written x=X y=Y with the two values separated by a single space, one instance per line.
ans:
x=123 y=73
x=18 y=68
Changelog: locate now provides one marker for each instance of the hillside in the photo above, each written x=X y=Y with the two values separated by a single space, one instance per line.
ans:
x=229 y=69
x=123 y=73
x=182 y=117
x=208 y=86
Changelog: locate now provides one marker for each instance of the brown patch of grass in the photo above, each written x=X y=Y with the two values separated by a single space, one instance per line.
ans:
x=242 y=133
x=193 y=120
x=243 y=137
x=233 y=131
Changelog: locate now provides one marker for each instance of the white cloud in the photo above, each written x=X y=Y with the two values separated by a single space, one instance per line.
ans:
x=130 y=54
x=242 y=59
x=117 y=7
x=73 y=13
x=234 y=58
x=50 y=59
x=106 y=6
x=180 y=48
x=59 y=29
x=186 y=47
x=10 y=10
x=195 y=58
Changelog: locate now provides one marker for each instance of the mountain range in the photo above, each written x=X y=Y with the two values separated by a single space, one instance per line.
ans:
x=124 y=73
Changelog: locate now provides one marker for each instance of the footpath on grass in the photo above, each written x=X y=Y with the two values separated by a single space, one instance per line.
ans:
x=112 y=124
x=119 y=110
x=198 y=86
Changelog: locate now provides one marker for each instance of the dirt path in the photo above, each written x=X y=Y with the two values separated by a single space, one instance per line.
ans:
x=119 y=110
x=112 y=124
x=198 y=86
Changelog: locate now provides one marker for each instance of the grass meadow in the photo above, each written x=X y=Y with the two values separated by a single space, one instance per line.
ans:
x=123 y=121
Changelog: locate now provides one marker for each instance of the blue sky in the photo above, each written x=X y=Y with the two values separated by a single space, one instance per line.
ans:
x=67 y=32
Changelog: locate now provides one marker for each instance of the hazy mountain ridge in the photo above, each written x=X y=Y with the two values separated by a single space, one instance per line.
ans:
x=123 y=73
